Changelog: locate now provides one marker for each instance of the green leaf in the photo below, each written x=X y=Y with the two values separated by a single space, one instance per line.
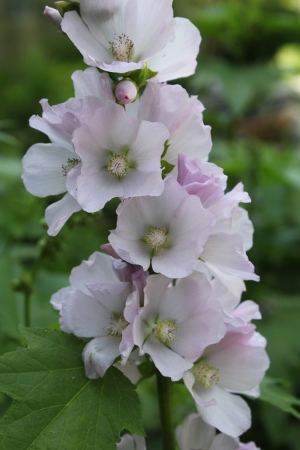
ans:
x=167 y=167
x=55 y=405
x=141 y=76
x=273 y=392
x=65 y=6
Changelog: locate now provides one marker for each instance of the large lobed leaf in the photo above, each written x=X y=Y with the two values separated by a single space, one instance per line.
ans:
x=55 y=406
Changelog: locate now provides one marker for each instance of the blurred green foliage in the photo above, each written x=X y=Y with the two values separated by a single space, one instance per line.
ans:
x=248 y=78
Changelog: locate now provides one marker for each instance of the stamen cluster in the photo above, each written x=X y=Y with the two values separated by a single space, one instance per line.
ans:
x=122 y=48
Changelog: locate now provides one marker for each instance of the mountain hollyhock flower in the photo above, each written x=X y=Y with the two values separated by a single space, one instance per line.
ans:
x=224 y=253
x=181 y=114
x=194 y=433
x=121 y=35
x=120 y=157
x=51 y=169
x=168 y=231
x=236 y=314
x=117 y=286
x=176 y=323
x=99 y=315
x=100 y=268
x=235 y=364
x=207 y=180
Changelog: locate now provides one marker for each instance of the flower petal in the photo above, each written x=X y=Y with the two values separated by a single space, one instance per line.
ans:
x=43 y=172
x=59 y=212
x=99 y=354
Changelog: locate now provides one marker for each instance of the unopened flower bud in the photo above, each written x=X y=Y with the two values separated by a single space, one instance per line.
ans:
x=54 y=15
x=126 y=92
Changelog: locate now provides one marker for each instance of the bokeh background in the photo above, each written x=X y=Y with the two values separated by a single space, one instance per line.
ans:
x=248 y=78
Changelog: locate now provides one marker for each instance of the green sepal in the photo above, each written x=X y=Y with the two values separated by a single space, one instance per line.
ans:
x=141 y=76
x=167 y=145
x=65 y=6
x=167 y=168
x=113 y=76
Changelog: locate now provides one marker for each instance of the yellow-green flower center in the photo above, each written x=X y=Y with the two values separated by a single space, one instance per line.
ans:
x=118 y=165
x=165 y=330
x=122 y=48
x=205 y=374
x=116 y=325
x=157 y=238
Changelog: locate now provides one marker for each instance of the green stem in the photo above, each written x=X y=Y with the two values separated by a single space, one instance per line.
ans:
x=164 y=388
x=27 y=310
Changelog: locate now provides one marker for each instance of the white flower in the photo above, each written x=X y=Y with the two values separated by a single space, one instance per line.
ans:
x=121 y=36
x=194 y=433
x=181 y=114
x=169 y=231
x=177 y=323
x=120 y=157
x=235 y=364
x=51 y=169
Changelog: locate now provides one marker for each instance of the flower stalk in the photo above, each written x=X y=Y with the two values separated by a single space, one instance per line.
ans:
x=164 y=390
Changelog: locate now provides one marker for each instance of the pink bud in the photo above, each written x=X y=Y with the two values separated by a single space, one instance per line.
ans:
x=126 y=92
x=54 y=15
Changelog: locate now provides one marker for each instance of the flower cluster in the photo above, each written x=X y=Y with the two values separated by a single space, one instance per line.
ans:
x=168 y=287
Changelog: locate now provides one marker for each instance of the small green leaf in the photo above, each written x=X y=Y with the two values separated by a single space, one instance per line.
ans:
x=273 y=392
x=141 y=76
x=166 y=146
x=55 y=405
x=167 y=167
x=65 y=6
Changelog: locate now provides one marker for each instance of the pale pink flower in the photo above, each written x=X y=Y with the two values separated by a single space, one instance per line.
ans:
x=121 y=36
x=101 y=268
x=194 y=433
x=120 y=157
x=99 y=315
x=51 y=169
x=235 y=364
x=224 y=255
x=96 y=286
x=205 y=180
x=168 y=231
x=177 y=323
x=181 y=114
x=235 y=313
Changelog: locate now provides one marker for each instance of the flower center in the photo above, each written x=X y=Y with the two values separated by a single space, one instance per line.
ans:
x=165 y=330
x=118 y=165
x=205 y=374
x=122 y=48
x=117 y=324
x=157 y=238
x=71 y=162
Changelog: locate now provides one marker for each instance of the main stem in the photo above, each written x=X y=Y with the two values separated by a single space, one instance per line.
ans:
x=164 y=388
x=27 y=310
